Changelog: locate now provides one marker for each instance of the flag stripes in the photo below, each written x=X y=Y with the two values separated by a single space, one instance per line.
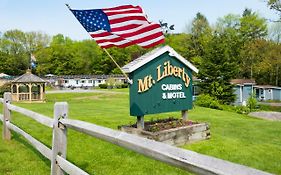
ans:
x=120 y=26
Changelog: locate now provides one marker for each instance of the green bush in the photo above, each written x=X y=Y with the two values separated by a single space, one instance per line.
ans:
x=103 y=86
x=118 y=86
x=229 y=108
x=3 y=89
x=124 y=85
x=252 y=102
x=242 y=109
x=207 y=101
x=264 y=107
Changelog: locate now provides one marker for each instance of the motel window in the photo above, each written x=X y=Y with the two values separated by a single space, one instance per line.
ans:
x=90 y=81
x=65 y=81
x=99 y=81
x=82 y=81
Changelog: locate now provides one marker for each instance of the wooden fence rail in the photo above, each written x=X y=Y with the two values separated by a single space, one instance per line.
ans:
x=44 y=120
x=189 y=160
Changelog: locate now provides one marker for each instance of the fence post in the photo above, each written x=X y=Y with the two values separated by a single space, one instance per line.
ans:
x=6 y=116
x=59 y=142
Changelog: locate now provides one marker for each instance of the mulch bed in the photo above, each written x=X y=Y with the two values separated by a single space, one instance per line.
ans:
x=165 y=124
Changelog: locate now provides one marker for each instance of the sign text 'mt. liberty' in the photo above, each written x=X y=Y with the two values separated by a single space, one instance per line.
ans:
x=169 y=91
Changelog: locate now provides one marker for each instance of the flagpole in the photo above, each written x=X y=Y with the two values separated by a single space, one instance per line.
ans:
x=129 y=80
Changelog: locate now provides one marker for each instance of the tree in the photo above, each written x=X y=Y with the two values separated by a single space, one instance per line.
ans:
x=251 y=54
x=201 y=34
x=274 y=32
x=18 y=46
x=218 y=69
x=252 y=29
x=181 y=43
x=275 y=5
x=230 y=22
x=252 y=26
x=12 y=42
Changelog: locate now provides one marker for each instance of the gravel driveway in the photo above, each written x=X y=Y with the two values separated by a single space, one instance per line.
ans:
x=276 y=116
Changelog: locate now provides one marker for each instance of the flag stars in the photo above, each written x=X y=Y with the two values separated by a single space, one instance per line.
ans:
x=92 y=20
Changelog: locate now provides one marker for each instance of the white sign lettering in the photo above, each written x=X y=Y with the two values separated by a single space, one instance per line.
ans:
x=172 y=95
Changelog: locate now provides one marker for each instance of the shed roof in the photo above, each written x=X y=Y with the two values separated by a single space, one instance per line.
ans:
x=139 y=62
x=28 y=77
x=243 y=81
x=267 y=87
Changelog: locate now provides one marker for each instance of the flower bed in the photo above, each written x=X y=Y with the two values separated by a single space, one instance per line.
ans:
x=171 y=131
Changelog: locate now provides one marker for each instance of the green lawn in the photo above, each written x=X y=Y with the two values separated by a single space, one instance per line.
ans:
x=234 y=137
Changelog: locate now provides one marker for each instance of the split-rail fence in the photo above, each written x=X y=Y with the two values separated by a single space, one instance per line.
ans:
x=185 y=159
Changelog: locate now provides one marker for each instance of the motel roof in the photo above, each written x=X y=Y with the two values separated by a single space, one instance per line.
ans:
x=139 y=62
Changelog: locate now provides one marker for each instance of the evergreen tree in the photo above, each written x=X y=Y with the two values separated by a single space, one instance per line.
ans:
x=218 y=68
x=201 y=34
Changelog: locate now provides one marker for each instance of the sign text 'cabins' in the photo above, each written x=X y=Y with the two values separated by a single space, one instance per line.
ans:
x=162 y=82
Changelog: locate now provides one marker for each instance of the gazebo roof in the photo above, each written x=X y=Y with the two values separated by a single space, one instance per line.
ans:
x=28 y=77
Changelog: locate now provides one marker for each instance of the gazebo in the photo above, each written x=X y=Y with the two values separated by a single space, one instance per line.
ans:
x=28 y=88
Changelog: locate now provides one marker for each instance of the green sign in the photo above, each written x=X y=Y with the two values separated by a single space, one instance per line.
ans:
x=162 y=84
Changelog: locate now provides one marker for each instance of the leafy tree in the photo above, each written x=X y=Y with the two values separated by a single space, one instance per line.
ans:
x=18 y=46
x=274 y=32
x=181 y=43
x=252 y=26
x=275 y=5
x=12 y=42
x=228 y=23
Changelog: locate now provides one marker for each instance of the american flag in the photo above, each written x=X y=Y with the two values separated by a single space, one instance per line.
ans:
x=120 y=26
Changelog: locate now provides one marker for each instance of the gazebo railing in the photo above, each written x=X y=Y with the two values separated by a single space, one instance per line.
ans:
x=25 y=96
x=35 y=96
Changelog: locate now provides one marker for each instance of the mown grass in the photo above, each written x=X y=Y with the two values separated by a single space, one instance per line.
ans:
x=237 y=138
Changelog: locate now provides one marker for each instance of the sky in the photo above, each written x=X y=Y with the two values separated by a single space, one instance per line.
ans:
x=53 y=17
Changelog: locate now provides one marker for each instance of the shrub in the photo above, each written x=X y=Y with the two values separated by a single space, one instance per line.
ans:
x=3 y=89
x=242 y=109
x=103 y=86
x=118 y=86
x=124 y=85
x=252 y=102
x=207 y=101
